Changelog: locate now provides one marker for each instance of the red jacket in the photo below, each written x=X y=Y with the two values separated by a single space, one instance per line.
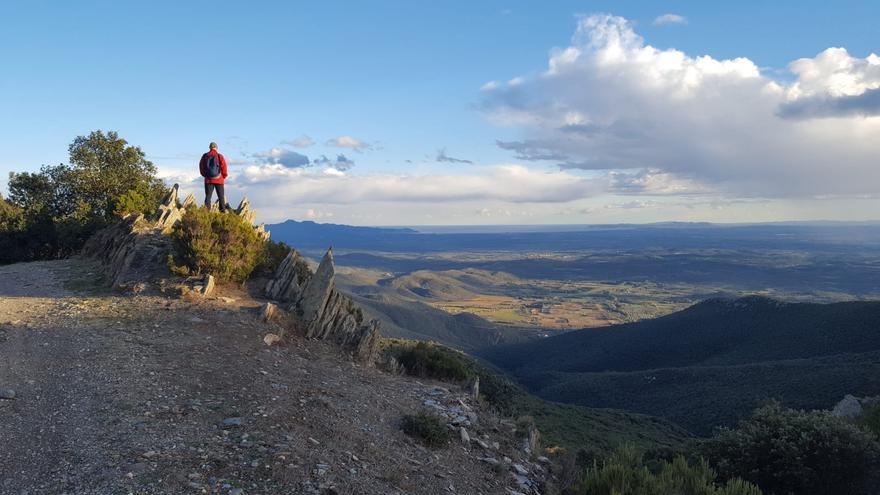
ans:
x=203 y=164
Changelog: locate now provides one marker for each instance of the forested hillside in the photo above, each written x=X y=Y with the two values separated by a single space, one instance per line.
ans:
x=712 y=363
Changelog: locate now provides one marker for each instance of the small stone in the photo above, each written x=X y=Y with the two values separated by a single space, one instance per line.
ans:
x=520 y=469
x=490 y=460
x=255 y=464
x=465 y=438
x=236 y=491
x=271 y=338
x=268 y=312
x=460 y=420
x=544 y=460
x=231 y=422
x=209 y=285
x=7 y=394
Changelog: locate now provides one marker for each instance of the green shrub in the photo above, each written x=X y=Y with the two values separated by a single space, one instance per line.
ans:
x=429 y=360
x=625 y=472
x=871 y=419
x=427 y=427
x=222 y=244
x=788 y=451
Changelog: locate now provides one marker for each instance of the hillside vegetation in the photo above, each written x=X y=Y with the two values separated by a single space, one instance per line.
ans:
x=51 y=213
x=710 y=364
x=563 y=425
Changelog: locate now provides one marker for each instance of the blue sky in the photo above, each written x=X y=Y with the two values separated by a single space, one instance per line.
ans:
x=400 y=82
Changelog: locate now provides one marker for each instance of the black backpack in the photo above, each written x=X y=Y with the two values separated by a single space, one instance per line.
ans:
x=212 y=166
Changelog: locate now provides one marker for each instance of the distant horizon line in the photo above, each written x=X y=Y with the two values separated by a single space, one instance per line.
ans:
x=587 y=226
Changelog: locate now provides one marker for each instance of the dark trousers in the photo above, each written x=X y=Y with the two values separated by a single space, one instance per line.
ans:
x=209 y=190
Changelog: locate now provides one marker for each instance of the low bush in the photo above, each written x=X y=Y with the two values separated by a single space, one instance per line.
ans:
x=222 y=244
x=427 y=427
x=559 y=424
x=870 y=419
x=789 y=451
x=625 y=472
x=429 y=360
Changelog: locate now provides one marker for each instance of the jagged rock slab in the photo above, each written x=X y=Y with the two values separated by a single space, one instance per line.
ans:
x=289 y=280
x=326 y=313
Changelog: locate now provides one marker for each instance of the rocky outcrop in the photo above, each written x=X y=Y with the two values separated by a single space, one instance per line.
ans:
x=135 y=250
x=289 y=280
x=325 y=313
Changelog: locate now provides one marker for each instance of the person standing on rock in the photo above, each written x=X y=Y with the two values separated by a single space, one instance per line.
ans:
x=212 y=166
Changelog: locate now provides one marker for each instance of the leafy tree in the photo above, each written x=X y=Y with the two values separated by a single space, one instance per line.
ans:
x=787 y=451
x=113 y=177
x=58 y=208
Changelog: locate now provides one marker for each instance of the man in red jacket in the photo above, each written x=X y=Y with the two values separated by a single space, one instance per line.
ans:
x=212 y=166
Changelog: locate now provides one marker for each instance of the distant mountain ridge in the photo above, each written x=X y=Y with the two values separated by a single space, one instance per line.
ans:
x=314 y=236
x=709 y=364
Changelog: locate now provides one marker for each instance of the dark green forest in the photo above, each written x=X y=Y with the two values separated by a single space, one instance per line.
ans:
x=711 y=364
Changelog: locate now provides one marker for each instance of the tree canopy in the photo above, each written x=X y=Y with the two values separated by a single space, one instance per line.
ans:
x=52 y=212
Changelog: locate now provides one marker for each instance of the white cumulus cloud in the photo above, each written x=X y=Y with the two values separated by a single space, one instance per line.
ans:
x=610 y=101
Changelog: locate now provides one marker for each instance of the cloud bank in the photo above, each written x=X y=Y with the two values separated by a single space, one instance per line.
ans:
x=609 y=101
x=508 y=183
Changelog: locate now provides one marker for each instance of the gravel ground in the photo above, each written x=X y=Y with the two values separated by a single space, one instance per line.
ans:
x=146 y=394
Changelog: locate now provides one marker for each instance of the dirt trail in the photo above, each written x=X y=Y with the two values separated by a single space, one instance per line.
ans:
x=121 y=394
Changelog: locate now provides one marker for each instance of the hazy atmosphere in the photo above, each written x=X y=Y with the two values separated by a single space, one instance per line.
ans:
x=395 y=113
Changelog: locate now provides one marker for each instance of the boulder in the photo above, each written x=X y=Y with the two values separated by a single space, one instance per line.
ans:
x=849 y=407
